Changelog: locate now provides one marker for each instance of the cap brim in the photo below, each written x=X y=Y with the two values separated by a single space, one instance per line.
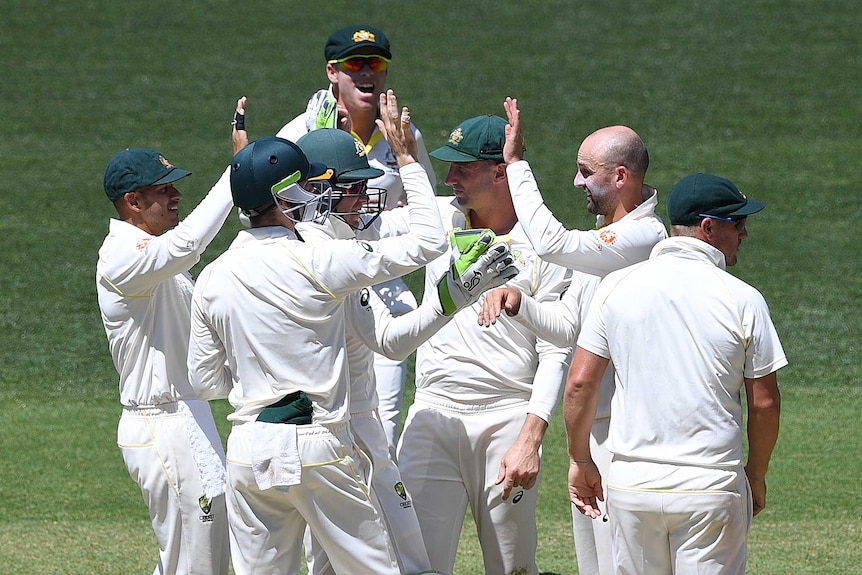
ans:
x=364 y=50
x=447 y=154
x=316 y=169
x=750 y=207
x=360 y=174
x=172 y=176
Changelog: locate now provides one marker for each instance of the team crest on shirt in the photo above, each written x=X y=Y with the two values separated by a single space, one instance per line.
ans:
x=608 y=236
x=367 y=246
x=456 y=136
x=206 y=507
x=363 y=36
x=402 y=493
x=142 y=244
x=364 y=297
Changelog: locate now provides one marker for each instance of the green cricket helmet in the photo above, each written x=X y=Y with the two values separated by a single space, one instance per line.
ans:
x=270 y=167
x=347 y=158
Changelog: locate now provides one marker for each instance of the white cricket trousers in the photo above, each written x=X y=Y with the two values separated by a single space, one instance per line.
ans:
x=593 y=538
x=389 y=494
x=391 y=375
x=680 y=532
x=192 y=532
x=449 y=457
x=266 y=527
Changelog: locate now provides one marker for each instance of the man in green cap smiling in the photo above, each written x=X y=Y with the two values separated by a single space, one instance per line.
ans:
x=357 y=68
x=484 y=397
x=686 y=337
x=168 y=437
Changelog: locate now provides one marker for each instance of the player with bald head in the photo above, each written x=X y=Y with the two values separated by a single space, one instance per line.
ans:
x=612 y=165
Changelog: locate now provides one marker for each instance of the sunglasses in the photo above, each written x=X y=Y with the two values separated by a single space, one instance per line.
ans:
x=352 y=189
x=355 y=63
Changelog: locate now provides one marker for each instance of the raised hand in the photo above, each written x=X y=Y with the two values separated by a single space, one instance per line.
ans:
x=394 y=124
x=513 y=149
x=239 y=136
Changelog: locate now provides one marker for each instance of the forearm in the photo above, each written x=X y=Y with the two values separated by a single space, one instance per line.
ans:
x=763 y=424
x=580 y=401
x=199 y=228
x=425 y=222
x=548 y=386
x=552 y=321
x=532 y=432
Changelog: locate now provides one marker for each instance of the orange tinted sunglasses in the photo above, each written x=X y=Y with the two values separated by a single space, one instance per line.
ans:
x=356 y=62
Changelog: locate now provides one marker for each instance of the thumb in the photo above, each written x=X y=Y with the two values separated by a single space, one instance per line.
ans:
x=501 y=475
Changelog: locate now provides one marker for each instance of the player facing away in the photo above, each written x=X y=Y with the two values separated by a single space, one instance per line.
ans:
x=371 y=328
x=168 y=437
x=680 y=493
x=483 y=397
x=612 y=165
x=357 y=67
x=268 y=333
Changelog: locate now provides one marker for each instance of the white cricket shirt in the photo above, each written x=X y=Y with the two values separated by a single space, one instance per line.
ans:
x=144 y=291
x=268 y=314
x=682 y=333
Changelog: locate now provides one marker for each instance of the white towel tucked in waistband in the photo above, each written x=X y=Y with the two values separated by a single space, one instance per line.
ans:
x=274 y=455
x=210 y=463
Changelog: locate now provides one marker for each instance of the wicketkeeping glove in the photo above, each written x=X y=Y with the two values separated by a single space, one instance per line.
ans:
x=478 y=269
x=322 y=111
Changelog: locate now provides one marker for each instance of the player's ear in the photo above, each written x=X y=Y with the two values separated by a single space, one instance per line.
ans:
x=133 y=201
x=621 y=176
x=332 y=74
x=706 y=229
x=500 y=172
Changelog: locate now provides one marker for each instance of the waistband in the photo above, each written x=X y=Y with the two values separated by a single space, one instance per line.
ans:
x=162 y=408
x=498 y=403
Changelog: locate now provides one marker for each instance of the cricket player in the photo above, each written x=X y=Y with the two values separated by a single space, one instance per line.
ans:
x=268 y=332
x=612 y=165
x=168 y=437
x=680 y=494
x=371 y=328
x=484 y=397
x=357 y=68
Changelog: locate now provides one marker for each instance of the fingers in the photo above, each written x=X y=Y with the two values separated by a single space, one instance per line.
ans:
x=492 y=307
x=503 y=477
x=240 y=105
x=512 y=112
x=587 y=506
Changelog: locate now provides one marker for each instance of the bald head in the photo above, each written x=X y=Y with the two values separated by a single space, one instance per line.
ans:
x=618 y=146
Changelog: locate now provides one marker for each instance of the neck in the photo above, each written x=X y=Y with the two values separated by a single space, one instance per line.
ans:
x=500 y=221
x=363 y=123
x=630 y=199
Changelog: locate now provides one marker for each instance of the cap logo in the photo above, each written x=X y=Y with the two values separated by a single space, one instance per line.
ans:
x=360 y=148
x=456 y=136
x=363 y=36
x=165 y=163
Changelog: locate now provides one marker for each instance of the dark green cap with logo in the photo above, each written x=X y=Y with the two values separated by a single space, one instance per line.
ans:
x=339 y=151
x=357 y=39
x=479 y=138
x=137 y=168
x=699 y=195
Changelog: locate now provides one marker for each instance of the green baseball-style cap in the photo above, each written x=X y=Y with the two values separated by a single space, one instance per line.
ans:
x=353 y=39
x=338 y=150
x=699 y=195
x=479 y=138
x=137 y=168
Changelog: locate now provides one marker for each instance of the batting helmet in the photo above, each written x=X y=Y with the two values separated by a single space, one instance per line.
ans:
x=347 y=158
x=266 y=167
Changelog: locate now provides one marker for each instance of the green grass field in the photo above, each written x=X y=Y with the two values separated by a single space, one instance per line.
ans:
x=766 y=93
